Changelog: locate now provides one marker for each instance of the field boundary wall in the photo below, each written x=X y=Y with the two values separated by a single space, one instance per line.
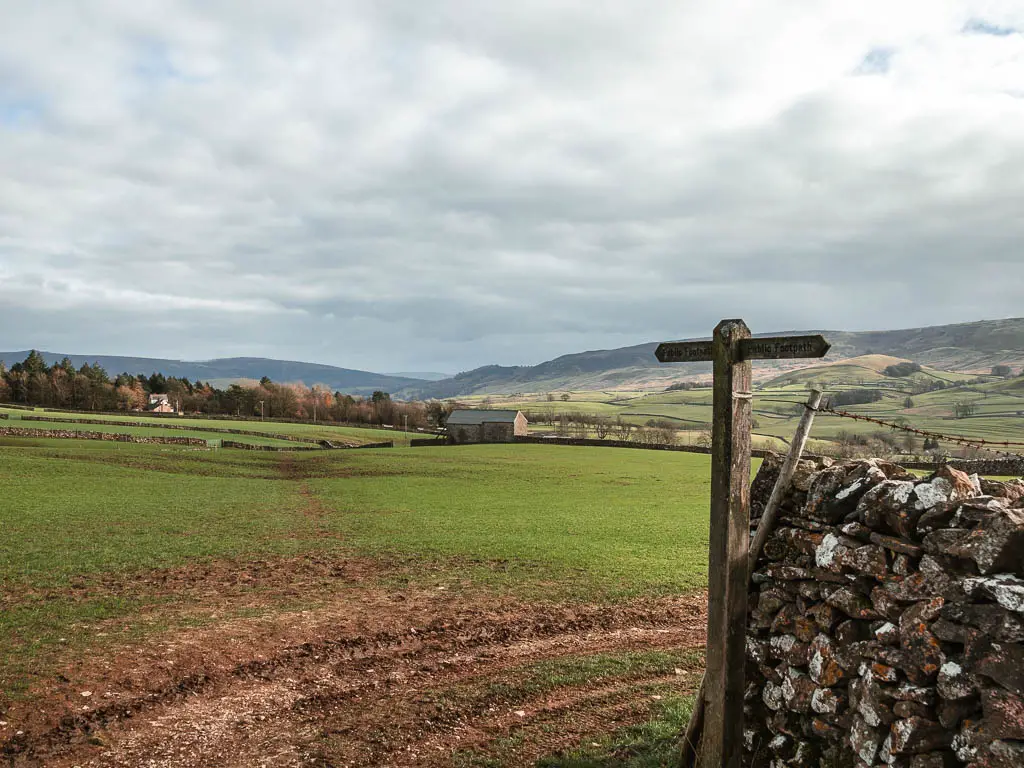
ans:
x=112 y=437
x=1006 y=467
x=220 y=417
x=253 y=447
x=885 y=620
x=597 y=443
x=184 y=427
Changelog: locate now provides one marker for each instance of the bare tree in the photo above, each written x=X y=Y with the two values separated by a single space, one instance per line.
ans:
x=963 y=409
x=623 y=429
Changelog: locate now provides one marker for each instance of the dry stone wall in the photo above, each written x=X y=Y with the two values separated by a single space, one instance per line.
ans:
x=188 y=427
x=324 y=444
x=71 y=434
x=886 y=621
x=1007 y=466
x=597 y=443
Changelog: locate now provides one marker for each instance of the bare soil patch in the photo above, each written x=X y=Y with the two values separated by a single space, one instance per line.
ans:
x=376 y=676
x=218 y=584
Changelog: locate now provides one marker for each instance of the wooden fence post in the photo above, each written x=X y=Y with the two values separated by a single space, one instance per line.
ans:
x=771 y=509
x=766 y=523
x=731 y=349
x=729 y=540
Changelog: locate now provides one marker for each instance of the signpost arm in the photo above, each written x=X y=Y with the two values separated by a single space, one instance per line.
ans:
x=722 y=745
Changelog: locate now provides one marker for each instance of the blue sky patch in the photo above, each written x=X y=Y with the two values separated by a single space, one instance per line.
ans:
x=154 y=65
x=18 y=112
x=982 y=27
x=876 y=62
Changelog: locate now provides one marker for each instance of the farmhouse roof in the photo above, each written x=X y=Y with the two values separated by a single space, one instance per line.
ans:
x=473 y=416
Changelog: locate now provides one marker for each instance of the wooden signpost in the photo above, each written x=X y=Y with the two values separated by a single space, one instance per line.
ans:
x=731 y=350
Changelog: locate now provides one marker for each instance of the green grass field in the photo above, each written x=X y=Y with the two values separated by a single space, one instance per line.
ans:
x=207 y=429
x=545 y=520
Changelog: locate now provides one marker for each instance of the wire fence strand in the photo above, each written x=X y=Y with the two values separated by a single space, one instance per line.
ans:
x=971 y=442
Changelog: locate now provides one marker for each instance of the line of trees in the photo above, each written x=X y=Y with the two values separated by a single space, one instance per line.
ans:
x=90 y=388
x=901 y=370
x=855 y=397
x=588 y=425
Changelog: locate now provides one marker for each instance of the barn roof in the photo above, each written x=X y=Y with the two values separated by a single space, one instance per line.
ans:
x=474 y=416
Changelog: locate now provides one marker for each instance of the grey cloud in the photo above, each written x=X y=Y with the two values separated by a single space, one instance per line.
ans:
x=407 y=186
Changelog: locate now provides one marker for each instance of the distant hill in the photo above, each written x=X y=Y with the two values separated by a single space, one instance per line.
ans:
x=234 y=368
x=865 y=369
x=968 y=347
x=424 y=375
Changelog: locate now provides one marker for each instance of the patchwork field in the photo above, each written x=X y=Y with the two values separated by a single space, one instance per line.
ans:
x=996 y=405
x=476 y=606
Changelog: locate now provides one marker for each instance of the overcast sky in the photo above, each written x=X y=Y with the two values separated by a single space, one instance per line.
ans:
x=438 y=185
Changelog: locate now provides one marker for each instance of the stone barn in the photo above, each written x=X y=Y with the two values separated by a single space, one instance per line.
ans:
x=485 y=426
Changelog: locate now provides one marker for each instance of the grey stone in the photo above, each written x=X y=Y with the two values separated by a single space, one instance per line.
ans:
x=865 y=740
x=897 y=545
x=916 y=735
x=997 y=544
x=908 y=692
x=937 y=518
x=951 y=713
x=826 y=499
x=787 y=648
x=948 y=632
x=954 y=682
x=772 y=696
x=886 y=603
x=1001 y=623
x=797 y=689
x=852 y=604
x=824 y=667
x=873 y=702
x=904 y=709
x=1004 y=714
x=882 y=500
x=1002 y=754
x=943 y=541
x=1005 y=589
x=917 y=640
x=1003 y=663
x=887 y=633
x=826 y=701
x=932 y=760
x=903 y=565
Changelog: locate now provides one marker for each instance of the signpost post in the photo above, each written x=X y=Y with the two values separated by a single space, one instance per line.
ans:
x=731 y=349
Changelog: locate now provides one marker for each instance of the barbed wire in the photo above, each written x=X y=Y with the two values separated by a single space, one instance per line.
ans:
x=971 y=442
x=963 y=440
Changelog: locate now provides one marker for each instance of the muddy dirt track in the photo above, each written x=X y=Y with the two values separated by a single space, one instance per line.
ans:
x=374 y=677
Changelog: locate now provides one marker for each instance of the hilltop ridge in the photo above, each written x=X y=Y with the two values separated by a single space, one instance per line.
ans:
x=968 y=347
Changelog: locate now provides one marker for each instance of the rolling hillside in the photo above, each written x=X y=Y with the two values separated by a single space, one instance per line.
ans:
x=865 y=369
x=968 y=347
